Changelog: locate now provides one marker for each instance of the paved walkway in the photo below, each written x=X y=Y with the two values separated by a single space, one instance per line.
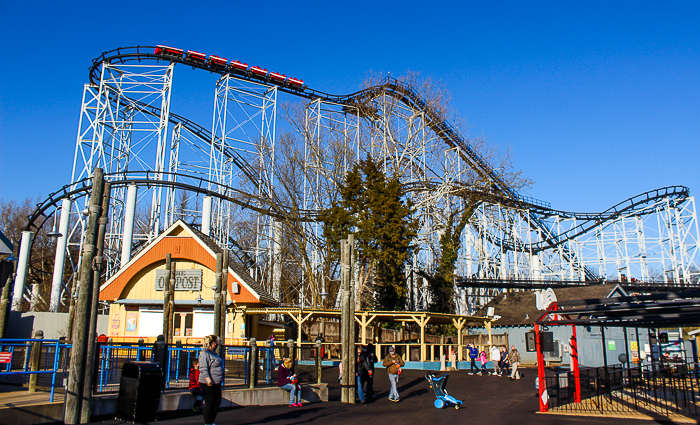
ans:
x=14 y=396
x=488 y=400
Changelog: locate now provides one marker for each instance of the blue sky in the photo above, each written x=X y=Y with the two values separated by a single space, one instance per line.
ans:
x=597 y=103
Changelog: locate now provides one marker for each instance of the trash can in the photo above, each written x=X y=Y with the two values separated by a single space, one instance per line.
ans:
x=139 y=392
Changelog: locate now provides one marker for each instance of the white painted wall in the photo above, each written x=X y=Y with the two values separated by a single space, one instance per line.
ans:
x=150 y=322
x=202 y=323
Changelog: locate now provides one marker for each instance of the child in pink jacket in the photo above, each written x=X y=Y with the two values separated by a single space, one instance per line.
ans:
x=483 y=360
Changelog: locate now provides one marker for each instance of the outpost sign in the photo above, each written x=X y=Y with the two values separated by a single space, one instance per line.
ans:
x=185 y=280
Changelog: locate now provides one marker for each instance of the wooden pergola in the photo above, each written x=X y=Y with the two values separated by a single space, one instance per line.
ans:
x=374 y=318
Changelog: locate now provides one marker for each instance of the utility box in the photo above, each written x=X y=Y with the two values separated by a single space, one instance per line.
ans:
x=139 y=392
x=546 y=340
x=555 y=354
x=530 y=344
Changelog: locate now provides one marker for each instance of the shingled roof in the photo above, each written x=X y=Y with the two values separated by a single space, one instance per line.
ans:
x=520 y=308
x=240 y=271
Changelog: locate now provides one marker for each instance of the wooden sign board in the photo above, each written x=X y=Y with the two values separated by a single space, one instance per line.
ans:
x=185 y=280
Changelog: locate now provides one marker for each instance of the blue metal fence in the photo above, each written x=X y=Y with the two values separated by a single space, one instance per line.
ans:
x=53 y=360
x=110 y=358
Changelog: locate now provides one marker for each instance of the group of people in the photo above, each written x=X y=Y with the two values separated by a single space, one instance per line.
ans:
x=365 y=361
x=207 y=374
x=364 y=372
x=206 y=377
x=501 y=359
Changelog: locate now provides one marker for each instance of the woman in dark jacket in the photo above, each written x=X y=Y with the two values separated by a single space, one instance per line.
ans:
x=287 y=381
x=211 y=376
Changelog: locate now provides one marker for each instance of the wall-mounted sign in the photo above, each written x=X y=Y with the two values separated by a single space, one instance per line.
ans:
x=185 y=280
x=236 y=351
x=131 y=320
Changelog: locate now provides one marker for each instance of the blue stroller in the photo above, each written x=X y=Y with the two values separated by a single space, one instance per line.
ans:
x=442 y=399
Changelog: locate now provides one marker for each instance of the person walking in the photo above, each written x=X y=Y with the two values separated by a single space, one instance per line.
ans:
x=483 y=360
x=505 y=366
x=360 y=373
x=211 y=376
x=393 y=363
x=288 y=382
x=194 y=387
x=370 y=361
x=473 y=354
x=514 y=359
x=496 y=360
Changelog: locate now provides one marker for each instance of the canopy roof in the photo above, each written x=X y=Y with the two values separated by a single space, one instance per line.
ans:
x=671 y=309
x=379 y=316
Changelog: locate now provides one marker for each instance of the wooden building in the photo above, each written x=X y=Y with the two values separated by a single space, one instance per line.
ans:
x=135 y=292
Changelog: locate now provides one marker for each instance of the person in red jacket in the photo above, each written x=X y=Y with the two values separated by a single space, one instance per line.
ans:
x=194 y=387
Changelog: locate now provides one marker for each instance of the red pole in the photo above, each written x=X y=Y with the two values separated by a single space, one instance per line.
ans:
x=574 y=365
x=540 y=369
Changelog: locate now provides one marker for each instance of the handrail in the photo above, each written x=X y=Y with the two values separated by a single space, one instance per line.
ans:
x=57 y=344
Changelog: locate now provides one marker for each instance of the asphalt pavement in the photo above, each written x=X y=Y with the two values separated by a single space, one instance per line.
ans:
x=487 y=400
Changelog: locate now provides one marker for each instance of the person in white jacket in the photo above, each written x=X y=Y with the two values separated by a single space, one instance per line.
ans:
x=496 y=359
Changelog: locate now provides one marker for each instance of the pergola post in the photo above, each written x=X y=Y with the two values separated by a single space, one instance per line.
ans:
x=459 y=325
x=364 y=321
x=363 y=331
x=299 y=320
x=488 y=328
x=422 y=341
x=422 y=321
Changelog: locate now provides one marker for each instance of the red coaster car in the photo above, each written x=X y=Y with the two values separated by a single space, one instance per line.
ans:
x=258 y=71
x=237 y=66
x=217 y=61
x=278 y=77
x=168 y=51
x=195 y=56
x=296 y=82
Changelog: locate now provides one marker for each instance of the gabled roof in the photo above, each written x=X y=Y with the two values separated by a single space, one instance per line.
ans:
x=234 y=267
x=195 y=246
x=520 y=308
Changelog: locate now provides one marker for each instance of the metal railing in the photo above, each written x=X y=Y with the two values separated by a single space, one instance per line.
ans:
x=51 y=368
x=54 y=362
x=661 y=389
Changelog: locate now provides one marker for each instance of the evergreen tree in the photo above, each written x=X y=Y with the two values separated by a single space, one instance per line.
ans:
x=372 y=206
x=441 y=284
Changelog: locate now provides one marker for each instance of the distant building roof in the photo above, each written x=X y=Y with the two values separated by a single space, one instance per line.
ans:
x=5 y=244
x=520 y=308
x=240 y=271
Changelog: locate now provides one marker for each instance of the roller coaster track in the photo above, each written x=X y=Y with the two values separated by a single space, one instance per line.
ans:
x=148 y=179
x=400 y=91
x=499 y=189
x=635 y=205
